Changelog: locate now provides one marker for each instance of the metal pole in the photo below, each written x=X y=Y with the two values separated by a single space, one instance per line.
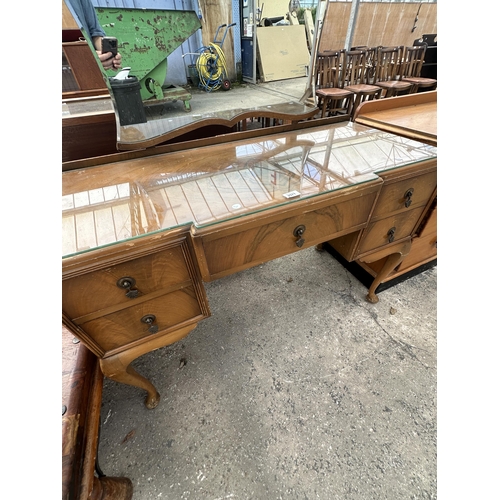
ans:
x=318 y=25
x=352 y=24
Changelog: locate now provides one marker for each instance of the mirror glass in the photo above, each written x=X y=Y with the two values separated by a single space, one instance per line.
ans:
x=138 y=96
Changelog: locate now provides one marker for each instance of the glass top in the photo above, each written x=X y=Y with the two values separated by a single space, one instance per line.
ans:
x=115 y=202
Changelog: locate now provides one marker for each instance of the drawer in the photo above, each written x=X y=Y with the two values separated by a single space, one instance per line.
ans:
x=122 y=328
x=405 y=195
x=377 y=233
x=101 y=289
x=423 y=249
x=241 y=246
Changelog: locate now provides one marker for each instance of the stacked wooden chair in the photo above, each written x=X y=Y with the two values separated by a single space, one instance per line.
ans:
x=356 y=75
x=333 y=99
x=388 y=71
x=413 y=61
x=371 y=61
x=345 y=79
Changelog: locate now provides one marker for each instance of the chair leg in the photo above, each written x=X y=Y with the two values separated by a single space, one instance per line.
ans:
x=334 y=107
x=324 y=106
x=355 y=104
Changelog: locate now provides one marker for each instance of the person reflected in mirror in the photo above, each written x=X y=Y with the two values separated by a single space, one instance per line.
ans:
x=87 y=16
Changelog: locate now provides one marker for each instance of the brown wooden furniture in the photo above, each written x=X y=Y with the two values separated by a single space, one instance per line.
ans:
x=333 y=99
x=412 y=116
x=387 y=72
x=82 y=75
x=81 y=405
x=356 y=76
x=371 y=61
x=86 y=72
x=412 y=69
x=143 y=231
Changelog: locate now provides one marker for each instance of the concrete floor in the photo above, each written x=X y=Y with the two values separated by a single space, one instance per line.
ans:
x=295 y=388
x=241 y=95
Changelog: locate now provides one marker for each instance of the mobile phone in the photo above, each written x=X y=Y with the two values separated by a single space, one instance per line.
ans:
x=109 y=44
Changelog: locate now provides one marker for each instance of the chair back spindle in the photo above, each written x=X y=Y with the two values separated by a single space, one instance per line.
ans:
x=355 y=68
x=389 y=64
x=328 y=69
x=414 y=59
x=332 y=98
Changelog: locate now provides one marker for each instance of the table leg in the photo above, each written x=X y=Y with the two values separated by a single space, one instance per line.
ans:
x=112 y=488
x=117 y=367
x=392 y=261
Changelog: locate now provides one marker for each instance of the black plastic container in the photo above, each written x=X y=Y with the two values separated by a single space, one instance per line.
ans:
x=127 y=94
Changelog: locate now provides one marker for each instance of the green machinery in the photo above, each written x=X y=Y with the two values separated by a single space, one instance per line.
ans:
x=145 y=39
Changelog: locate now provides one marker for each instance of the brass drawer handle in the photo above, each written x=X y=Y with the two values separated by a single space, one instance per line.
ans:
x=408 y=196
x=298 y=232
x=391 y=233
x=149 y=319
x=127 y=282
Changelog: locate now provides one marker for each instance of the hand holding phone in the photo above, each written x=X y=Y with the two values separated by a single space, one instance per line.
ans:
x=109 y=44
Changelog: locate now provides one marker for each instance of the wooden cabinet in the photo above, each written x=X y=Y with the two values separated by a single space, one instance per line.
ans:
x=403 y=204
x=407 y=206
x=123 y=286
x=130 y=299
x=424 y=248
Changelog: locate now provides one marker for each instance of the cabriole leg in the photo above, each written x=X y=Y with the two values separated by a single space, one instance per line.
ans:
x=117 y=367
x=392 y=261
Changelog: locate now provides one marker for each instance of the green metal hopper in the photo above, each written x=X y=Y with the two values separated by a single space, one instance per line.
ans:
x=145 y=38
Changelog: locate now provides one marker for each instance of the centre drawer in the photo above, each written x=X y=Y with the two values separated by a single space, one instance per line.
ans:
x=262 y=237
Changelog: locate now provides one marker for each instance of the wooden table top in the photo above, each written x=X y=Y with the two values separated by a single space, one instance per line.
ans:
x=413 y=116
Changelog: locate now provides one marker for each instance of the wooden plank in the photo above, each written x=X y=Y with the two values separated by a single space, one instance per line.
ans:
x=258 y=190
x=240 y=187
x=181 y=209
x=213 y=16
x=85 y=231
x=309 y=24
x=227 y=193
x=68 y=21
x=196 y=201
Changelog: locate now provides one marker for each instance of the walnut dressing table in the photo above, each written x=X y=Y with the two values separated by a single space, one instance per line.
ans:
x=142 y=234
